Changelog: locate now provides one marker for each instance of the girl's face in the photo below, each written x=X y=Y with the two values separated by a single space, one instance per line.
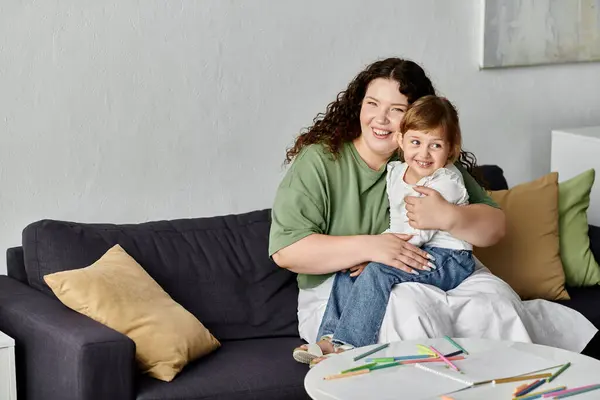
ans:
x=382 y=109
x=424 y=151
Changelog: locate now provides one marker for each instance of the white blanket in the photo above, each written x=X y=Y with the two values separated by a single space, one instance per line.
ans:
x=483 y=306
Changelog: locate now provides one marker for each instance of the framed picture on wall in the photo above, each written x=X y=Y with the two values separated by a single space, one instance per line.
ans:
x=535 y=32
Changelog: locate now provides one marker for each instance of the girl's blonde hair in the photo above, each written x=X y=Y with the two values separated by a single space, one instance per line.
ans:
x=432 y=112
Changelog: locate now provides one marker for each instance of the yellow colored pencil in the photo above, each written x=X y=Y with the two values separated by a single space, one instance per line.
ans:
x=425 y=350
x=521 y=378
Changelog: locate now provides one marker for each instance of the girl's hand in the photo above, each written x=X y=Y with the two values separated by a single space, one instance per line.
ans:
x=394 y=250
x=356 y=271
x=431 y=211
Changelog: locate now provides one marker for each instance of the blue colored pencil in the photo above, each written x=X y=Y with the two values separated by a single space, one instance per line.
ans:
x=531 y=387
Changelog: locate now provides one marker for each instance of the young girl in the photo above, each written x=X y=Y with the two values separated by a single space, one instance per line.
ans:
x=430 y=144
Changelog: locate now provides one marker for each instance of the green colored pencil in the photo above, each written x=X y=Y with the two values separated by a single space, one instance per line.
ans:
x=368 y=353
x=362 y=371
x=557 y=373
x=366 y=366
x=458 y=346
x=382 y=366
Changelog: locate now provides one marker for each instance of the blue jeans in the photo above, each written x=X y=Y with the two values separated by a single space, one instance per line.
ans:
x=356 y=306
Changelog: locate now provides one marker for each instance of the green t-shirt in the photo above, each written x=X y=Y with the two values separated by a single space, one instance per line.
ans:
x=336 y=196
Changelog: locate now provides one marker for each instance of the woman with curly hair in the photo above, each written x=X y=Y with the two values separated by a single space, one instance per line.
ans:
x=331 y=208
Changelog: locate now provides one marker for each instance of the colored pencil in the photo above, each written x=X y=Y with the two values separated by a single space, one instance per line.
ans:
x=382 y=366
x=425 y=350
x=368 y=353
x=349 y=374
x=436 y=359
x=415 y=357
x=399 y=358
x=531 y=387
x=440 y=355
x=560 y=371
x=537 y=395
x=362 y=371
x=453 y=354
x=458 y=346
x=366 y=366
x=519 y=388
x=572 y=392
x=520 y=378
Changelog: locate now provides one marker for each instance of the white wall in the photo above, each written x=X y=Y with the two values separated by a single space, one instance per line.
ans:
x=126 y=111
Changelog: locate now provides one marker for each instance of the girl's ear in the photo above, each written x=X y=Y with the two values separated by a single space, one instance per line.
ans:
x=398 y=139
x=454 y=154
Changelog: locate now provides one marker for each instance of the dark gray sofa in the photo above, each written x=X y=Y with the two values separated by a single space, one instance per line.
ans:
x=217 y=268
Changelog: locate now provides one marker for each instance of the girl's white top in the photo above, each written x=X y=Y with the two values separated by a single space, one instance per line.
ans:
x=447 y=181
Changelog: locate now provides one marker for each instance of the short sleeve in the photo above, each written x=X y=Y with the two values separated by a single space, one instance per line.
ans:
x=477 y=194
x=450 y=185
x=300 y=204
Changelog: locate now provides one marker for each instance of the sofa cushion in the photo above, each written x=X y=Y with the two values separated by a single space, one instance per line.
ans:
x=217 y=268
x=117 y=292
x=581 y=269
x=528 y=257
x=258 y=369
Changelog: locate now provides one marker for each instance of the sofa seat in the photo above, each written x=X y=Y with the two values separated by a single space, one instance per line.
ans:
x=586 y=300
x=246 y=369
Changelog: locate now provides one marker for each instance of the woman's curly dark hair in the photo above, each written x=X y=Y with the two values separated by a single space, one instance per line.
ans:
x=341 y=121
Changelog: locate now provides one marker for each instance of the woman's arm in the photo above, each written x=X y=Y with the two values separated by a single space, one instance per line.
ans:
x=319 y=254
x=479 y=224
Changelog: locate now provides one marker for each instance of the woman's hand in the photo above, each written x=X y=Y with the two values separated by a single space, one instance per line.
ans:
x=431 y=211
x=394 y=250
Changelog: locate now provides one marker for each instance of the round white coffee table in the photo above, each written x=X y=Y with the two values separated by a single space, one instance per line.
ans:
x=387 y=383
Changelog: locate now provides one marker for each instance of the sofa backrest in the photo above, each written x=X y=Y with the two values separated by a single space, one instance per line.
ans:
x=217 y=268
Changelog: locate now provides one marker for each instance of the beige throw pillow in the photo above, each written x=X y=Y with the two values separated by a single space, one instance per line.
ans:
x=528 y=257
x=117 y=292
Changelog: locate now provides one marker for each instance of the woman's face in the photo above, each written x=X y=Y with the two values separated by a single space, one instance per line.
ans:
x=381 y=111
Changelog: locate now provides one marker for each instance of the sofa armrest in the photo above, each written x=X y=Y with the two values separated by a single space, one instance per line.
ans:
x=61 y=354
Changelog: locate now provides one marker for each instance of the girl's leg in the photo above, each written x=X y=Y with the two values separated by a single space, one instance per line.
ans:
x=453 y=267
x=340 y=292
x=363 y=314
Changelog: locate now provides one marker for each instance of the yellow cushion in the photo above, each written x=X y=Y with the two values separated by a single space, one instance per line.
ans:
x=117 y=292
x=528 y=258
